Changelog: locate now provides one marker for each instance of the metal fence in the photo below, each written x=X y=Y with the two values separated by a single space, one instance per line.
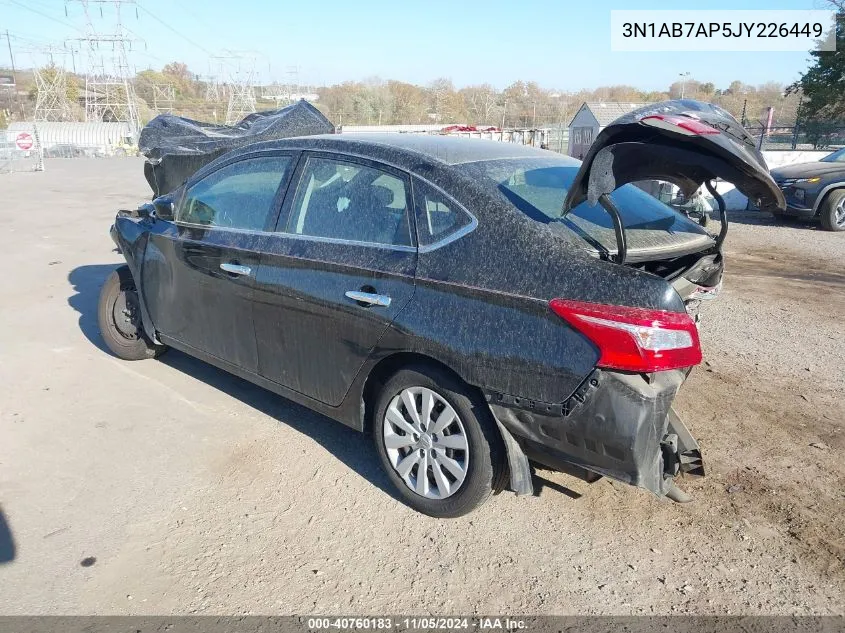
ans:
x=806 y=136
x=23 y=153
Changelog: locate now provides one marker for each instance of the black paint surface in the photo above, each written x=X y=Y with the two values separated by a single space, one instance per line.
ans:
x=475 y=302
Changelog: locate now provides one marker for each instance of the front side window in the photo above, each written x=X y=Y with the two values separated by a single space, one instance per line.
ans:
x=348 y=201
x=237 y=196
x=438 y=216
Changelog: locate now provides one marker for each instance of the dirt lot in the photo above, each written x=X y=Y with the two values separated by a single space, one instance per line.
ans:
x=196 y=492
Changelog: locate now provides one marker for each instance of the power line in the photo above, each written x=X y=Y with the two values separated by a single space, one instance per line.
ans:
x=198 y=19
x=181 y=35
x=109 y=92
x=43 y=15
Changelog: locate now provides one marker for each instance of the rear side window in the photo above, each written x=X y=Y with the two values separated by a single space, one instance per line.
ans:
x=348 y=201
x=237 y=196
x=438 y=216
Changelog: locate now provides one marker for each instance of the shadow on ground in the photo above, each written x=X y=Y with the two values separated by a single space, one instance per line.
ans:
x=763 y=218
x=86 y=282
x=7 y=543
x=351 y=447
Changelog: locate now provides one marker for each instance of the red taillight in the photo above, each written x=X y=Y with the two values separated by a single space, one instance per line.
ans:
x=682 y=124
x=634 y=339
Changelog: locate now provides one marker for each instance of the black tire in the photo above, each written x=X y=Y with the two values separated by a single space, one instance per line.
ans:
x=486 y=452
x=832 y=213
x=779 y=216
x=125 y=339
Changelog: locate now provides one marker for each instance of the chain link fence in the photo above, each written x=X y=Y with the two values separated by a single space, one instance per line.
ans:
x=804 y=136
x=21 y=152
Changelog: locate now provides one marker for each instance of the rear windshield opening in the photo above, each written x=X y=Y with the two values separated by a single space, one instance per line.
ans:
x=538 y=187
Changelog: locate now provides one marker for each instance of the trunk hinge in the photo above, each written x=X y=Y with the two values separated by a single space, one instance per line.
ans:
x=618 y=227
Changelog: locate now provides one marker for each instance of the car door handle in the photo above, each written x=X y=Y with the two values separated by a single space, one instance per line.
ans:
x=236 y=269
x=369 y=298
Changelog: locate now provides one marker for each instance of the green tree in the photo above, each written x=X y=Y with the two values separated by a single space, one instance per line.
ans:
x=823 y=85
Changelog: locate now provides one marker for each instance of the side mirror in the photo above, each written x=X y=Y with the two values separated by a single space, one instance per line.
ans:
x=163 y=208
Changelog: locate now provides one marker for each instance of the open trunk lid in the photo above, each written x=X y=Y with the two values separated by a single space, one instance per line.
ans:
x=687 y=143
x=683 y=142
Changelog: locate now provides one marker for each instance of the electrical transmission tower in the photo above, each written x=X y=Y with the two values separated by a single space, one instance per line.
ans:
x=109 y=93
x=240 y=84
x=164 y=96
x=285 y=92
x=51 y=87
x=51 y=102
x=214 y=90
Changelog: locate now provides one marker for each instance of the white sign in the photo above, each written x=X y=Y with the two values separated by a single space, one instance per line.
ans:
x=722 y=30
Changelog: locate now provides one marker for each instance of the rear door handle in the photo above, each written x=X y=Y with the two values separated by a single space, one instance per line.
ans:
x=383 y=301
x=236 y=269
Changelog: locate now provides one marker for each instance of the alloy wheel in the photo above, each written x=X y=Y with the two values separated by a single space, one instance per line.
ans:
x=426 y=443
x=839 y=213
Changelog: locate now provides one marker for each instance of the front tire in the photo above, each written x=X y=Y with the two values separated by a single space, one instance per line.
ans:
x=437 y=442
x=119 y=317
x=832 y=214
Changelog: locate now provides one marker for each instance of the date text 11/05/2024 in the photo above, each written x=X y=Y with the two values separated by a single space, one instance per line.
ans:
x=417 y=623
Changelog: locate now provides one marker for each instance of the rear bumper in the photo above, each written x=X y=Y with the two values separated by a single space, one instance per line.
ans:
x=617 y=425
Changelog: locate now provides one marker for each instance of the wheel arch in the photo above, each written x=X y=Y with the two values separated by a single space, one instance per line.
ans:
x=517 y=472
x=131 y=235
x=389 y=365
x=824 y=193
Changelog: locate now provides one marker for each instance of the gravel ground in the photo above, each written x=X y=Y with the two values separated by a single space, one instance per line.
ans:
x=164 y=487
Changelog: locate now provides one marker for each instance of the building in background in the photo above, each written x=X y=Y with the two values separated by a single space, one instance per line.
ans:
x=592 y=117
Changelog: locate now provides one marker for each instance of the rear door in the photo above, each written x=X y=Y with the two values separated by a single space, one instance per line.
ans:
x=199 y=270
x=335 y=274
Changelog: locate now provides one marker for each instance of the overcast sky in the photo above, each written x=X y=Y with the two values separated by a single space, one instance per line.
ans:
x=561 y=44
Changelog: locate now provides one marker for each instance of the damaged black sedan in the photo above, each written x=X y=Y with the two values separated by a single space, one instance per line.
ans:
x=474 y=305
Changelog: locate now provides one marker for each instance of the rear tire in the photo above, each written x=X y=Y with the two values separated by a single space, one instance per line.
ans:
x=463 y=460
x=119 y=317
x=832 y=214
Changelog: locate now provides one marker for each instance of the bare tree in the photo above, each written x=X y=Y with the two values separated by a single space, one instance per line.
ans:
x=481 y=102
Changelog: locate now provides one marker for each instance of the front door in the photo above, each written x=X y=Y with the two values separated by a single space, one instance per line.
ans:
x=334 y=275
x=199 y=271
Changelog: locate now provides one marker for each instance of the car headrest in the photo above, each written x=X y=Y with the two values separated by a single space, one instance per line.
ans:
x=382 y=196
x=323 y=171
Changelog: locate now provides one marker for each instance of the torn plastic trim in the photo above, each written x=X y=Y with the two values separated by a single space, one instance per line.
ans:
x=690 y=461
x=618 y=430
x=518 y=466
